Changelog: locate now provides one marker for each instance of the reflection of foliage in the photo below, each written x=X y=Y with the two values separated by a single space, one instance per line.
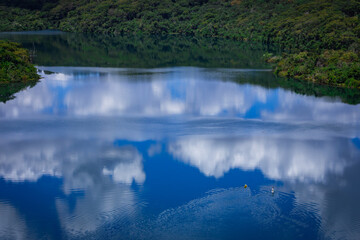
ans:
x=15 y=65
x=144 y=52
x=347 y=95
x=7 y=90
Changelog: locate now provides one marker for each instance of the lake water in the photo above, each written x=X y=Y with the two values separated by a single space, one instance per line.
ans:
x=155 y=138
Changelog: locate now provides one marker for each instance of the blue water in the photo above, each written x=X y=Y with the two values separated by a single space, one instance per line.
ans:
x=164 y=153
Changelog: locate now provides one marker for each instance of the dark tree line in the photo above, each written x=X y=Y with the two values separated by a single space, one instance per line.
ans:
x=30 y=4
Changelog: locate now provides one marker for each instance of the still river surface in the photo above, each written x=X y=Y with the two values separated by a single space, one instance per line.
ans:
x=123 y=139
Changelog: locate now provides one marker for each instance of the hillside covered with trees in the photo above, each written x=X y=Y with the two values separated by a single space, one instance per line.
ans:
x=320 y=39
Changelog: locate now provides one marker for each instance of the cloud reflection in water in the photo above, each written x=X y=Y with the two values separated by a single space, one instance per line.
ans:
x=277 y=158
x=103 y=173
x=169 y=92
x=66 y=127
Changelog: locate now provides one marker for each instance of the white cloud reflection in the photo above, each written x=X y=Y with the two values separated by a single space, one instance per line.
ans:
x=278 y=158
x=12 y=226
x=68 y=159
x=88 y=110
x=104 y=173
x=102 y=204
x=168 y=92
x=322 y=174
x=30 y=102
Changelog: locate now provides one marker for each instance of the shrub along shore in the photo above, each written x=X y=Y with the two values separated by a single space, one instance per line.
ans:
x=15 y=64
x=320 y=38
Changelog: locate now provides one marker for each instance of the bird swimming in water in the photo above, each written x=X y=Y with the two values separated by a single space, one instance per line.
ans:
x=245 y=186
x=272 y=190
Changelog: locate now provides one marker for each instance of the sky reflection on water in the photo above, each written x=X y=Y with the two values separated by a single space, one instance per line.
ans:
x=164 y=153
x=189 y=92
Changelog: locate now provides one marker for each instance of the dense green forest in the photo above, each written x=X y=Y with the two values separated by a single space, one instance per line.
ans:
x=320 y=38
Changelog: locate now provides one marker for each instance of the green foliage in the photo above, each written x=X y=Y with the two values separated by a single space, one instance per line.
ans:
x=298 y=26
x=15 y=65
x=295 y=24
x=331 y=67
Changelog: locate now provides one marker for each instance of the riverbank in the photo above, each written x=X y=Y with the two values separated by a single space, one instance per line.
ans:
x=327 y=67
x=321 y=37
x=15 y=64
x=16 y=70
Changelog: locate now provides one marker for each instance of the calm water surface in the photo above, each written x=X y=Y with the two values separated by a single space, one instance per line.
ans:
x=163 y=152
